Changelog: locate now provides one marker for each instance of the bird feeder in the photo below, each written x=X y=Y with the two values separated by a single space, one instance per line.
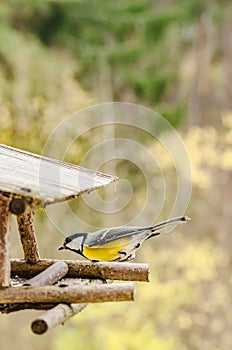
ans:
x=61 y=287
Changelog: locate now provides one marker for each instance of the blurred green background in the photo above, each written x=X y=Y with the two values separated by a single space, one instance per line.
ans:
x=174 y=56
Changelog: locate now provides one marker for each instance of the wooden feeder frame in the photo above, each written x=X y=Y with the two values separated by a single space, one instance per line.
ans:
x=34 y=283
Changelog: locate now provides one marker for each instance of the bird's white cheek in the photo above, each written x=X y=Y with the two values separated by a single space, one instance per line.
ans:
x=74 y=245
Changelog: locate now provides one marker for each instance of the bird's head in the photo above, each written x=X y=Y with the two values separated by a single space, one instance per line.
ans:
x=74 y=242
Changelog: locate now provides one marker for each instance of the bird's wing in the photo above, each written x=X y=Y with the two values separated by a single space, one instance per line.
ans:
x=107 y=235
x=101 y=237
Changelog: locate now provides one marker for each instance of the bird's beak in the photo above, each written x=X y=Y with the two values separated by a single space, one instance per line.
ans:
x=61 y=247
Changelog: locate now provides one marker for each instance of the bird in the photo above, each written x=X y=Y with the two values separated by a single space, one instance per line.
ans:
x=115 y=243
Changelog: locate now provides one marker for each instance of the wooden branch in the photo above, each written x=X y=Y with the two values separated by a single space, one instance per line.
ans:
x=49 y=276
x=28 y=237
x=4 y=242
x=93 y=293
x=86 y=269
x=52 y=318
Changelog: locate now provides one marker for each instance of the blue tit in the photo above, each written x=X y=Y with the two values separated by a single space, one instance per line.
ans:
x=116 y=243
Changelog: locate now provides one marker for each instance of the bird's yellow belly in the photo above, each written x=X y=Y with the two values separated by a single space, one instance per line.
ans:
x=109 y=252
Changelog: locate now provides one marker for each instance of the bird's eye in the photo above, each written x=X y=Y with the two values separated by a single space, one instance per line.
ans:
x=67 y=240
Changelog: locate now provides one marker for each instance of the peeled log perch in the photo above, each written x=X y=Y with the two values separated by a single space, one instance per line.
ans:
x=49 y=276
x=86 y=269
x=94 y=293
x=55 y=316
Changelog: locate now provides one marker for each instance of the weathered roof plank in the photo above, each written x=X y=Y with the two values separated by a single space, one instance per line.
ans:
x=45 y=180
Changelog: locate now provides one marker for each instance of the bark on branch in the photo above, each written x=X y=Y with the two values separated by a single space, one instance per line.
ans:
x=86 y=269
x=28 y=237
x=93 y=293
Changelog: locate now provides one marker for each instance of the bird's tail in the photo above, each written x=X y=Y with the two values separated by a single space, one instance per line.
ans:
x=166 y=223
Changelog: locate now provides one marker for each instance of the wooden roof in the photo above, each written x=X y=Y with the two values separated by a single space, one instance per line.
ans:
x=43 y=179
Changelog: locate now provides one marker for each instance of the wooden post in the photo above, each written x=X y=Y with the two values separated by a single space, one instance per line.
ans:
x=4 y=242
x=28 y=237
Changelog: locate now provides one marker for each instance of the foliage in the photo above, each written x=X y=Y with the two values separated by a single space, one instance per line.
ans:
x=38 y=89
x=134 y=46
